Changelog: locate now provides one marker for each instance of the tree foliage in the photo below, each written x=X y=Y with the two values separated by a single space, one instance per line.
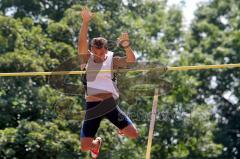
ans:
x=40 y=117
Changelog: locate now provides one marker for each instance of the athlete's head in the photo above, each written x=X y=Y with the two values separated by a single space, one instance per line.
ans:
x=99 y=46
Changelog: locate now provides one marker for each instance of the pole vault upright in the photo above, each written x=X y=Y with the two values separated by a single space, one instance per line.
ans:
x=152 y=123
x=162 y=88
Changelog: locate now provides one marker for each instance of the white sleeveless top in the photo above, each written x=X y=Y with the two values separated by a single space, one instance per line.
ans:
x=101 y=82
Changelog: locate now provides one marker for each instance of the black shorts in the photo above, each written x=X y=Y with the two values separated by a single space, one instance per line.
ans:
x=96 y=111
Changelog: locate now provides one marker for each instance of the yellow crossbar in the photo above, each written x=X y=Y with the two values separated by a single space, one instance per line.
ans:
x=179 y=68
x=202 y=67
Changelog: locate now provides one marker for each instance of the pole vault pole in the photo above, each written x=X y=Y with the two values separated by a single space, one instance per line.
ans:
x=152 y=123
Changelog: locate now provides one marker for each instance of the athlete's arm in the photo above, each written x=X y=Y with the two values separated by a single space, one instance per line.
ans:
x=129 y=59
x=125 y=43
x=83 y=39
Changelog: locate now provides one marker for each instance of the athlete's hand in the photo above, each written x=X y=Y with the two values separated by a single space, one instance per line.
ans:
x=123 y=40
x=86 y=15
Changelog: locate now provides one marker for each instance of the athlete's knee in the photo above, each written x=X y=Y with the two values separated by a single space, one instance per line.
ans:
x=84 y=148
x=134 y=134
x=86 y=144
x=131 y=132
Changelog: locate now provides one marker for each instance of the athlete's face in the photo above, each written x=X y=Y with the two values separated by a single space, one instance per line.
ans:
x=99 y=52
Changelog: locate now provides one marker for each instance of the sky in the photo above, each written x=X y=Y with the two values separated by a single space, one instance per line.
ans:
x=188 y=9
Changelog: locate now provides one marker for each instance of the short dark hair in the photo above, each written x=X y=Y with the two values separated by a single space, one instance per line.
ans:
x=99 y=43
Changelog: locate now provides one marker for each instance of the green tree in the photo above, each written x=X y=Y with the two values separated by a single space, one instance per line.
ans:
x=214 y=39
x=37 y=9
